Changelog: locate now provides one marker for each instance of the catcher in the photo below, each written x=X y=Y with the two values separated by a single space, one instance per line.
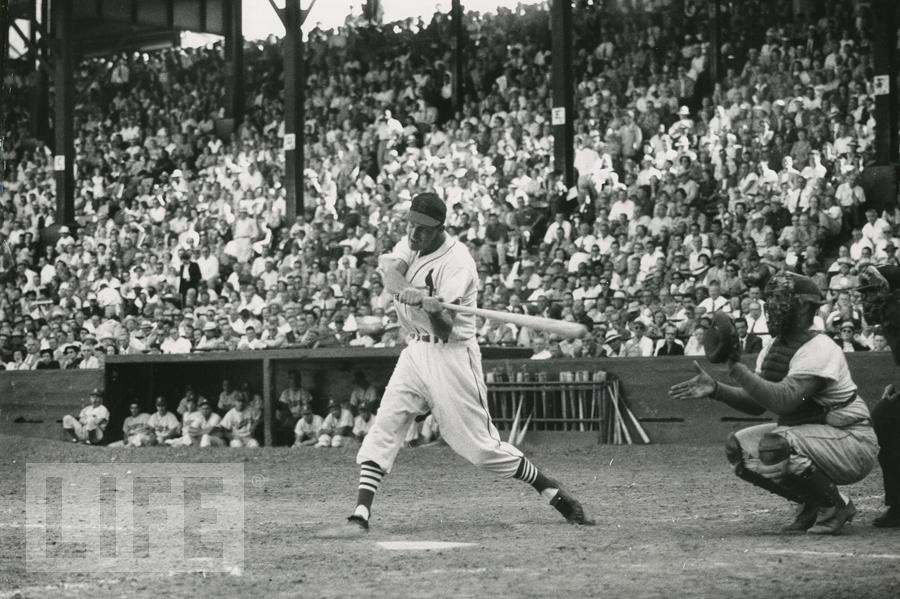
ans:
x=823 y=436
x=881 y=304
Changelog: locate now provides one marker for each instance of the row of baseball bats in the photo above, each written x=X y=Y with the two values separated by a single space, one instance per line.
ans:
x=579 y=401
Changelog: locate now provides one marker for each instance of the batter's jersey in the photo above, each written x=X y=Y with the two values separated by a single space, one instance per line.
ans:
x=449 y=273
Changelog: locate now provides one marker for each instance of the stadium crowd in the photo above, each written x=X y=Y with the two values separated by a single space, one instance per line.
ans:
x=689 y=194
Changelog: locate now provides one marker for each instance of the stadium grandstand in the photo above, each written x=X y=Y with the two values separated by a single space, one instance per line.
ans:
x=690 y=187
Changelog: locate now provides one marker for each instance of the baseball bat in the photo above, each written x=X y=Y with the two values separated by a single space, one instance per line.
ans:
x=549 y=325
x=395 y=282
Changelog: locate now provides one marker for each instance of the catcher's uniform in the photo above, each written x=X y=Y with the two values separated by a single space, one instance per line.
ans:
x=844 y=447
x=443 y=377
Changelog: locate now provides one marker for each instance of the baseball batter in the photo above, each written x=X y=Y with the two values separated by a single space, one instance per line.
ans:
x=823 y=436
x=440 y=370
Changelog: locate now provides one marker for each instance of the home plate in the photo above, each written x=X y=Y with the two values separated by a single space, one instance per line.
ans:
x=420 y=545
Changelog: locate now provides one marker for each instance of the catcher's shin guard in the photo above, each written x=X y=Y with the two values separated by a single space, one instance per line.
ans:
x=735 y=456
x=816 y=488
x=771 y=486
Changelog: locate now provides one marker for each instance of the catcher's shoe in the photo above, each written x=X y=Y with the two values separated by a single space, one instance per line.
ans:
x=804 y=519
x=832 y=519
x=570 y=508
x=889 y=519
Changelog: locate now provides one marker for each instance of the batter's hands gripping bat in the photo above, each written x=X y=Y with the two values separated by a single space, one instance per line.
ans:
x=394 y=282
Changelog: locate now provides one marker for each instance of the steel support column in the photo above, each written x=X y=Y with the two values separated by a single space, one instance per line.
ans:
x=884 y=45
x=563 y=114
x=459 y=55
x=294 y=96
x=64 y=103
x=4 y=53
x=714 y=54
x=234 y=63
x=40 y=122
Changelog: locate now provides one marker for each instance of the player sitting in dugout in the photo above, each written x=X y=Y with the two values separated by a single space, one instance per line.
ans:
x=135 y=430
x=306 y=432
x=91 y=422
x=238 y=425
x=337 y=426
x=823 y=436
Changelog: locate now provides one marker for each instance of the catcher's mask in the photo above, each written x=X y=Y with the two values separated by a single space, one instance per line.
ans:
x=786 y=293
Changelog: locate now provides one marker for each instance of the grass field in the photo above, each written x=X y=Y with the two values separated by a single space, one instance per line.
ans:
x=671 y=522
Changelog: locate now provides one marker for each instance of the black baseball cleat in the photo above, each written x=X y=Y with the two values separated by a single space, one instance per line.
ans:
x=358 y=521
x=889 y=519
x=570 y=508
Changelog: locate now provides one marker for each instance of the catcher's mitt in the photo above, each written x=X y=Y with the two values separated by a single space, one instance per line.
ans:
x=720 y=342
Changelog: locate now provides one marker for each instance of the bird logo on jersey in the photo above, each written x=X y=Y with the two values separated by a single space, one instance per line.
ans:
x=429 y=282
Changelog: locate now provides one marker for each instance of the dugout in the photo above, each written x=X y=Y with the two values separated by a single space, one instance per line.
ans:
x=327 y=373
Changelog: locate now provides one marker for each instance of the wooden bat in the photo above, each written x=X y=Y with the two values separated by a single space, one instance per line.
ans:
x=395 y=282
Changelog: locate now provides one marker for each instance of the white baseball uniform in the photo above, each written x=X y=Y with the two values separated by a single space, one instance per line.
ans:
x=305 y=431
x=443 y=377
x=135 y=430
x=90 y=419
x=328 y=434
x=194 y=425
x=361 y=426
x=241 y=424
x=163 y=426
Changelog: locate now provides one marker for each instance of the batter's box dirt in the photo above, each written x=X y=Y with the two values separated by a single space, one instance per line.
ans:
x=672 y=521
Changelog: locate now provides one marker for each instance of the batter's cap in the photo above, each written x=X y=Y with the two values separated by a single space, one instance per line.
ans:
x=427 y=209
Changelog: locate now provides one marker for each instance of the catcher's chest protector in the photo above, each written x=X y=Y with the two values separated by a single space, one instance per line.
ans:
x=775 y=367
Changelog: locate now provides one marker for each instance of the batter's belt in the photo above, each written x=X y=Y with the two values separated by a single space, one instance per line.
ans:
x=424 y=338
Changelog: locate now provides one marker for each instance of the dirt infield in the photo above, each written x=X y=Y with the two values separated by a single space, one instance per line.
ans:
x=671 y=522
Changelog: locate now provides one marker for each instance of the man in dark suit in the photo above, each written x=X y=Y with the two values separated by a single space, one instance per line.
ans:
x=750 y=343
x=669 y=345
x=190 y=275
